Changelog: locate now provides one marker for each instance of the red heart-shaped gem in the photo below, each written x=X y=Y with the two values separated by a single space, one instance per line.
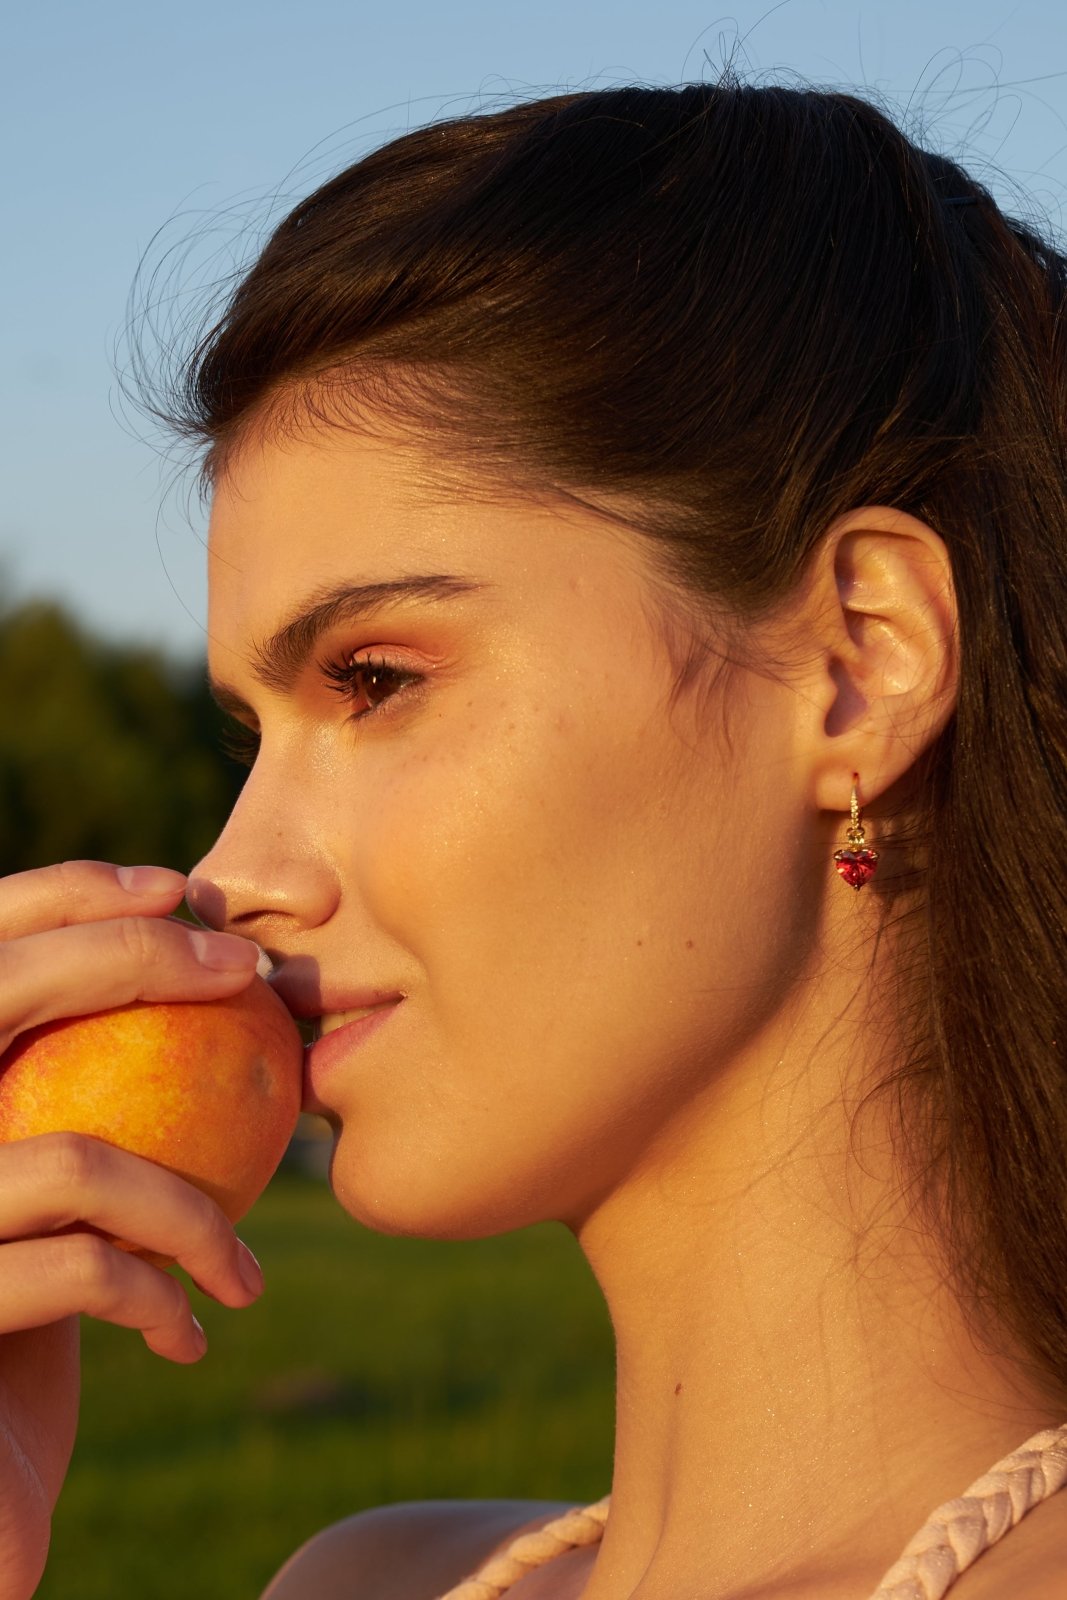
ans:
x=856 y=866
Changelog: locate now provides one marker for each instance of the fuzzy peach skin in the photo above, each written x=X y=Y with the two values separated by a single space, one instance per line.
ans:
x=208 y=1088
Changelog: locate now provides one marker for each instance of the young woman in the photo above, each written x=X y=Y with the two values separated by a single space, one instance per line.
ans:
x=637 y=557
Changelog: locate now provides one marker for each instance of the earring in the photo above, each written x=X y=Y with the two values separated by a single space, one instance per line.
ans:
x=856 y=864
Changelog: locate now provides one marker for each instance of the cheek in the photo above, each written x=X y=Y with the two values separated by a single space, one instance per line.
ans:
x=495 y=859
x=592 y=941
x=565 y=849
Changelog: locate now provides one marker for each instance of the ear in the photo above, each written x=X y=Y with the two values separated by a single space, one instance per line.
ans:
x=881 y=678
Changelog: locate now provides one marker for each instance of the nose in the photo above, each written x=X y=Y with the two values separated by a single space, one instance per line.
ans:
x=266 y=874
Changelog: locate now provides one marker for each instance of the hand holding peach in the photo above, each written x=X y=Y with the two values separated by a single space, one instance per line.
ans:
x=86 y=942
x=209 y=1089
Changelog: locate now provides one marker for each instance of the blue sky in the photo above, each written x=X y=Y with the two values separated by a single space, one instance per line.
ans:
x=190 y=125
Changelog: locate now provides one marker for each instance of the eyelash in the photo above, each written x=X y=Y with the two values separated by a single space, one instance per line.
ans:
x=241 y=744
x=342 y=675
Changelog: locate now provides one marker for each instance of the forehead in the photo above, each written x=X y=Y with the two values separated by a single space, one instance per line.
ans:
x=327 y=496
x=294 y=518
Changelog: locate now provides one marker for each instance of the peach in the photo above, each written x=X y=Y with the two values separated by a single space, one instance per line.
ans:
x=208 y=1088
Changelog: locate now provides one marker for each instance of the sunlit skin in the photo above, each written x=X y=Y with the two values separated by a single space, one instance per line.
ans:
x=637 y=998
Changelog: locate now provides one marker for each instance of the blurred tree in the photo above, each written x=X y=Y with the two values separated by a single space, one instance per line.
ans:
x=108 y=752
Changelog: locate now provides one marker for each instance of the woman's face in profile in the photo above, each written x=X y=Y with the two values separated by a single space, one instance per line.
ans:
x=476 y=795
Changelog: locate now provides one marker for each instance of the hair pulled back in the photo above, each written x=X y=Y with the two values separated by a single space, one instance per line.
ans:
x=736 y=313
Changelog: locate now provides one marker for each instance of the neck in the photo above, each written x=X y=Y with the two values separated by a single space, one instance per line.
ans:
x=797 y=1387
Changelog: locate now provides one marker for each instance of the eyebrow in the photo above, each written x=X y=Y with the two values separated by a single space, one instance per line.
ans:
x=278 y=661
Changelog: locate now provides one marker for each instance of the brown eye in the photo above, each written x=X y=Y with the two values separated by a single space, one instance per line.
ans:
x=375 y=683
x=368 y=682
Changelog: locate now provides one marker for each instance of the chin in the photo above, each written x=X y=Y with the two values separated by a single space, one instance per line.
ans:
x=393 y=1199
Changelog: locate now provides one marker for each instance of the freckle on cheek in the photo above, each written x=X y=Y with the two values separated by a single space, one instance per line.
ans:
x=689 y=944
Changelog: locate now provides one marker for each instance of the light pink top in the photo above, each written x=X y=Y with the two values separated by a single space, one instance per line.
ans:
x=951 y=1539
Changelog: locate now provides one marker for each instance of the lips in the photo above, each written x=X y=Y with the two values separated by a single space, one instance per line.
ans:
x=341 y=1036
x=329 y=1008
x=330 y=1021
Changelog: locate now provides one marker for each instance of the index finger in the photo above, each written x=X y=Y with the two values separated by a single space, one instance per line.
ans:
x=84 y=891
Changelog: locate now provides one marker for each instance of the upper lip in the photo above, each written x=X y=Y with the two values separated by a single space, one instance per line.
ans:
x=307 y=1006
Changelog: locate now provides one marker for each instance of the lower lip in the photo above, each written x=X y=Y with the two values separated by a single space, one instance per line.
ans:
x=323 y=1057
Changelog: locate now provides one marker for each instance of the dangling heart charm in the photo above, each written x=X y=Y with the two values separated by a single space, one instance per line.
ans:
x=857 y=867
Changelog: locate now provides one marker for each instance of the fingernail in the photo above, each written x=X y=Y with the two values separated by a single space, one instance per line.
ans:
x=151 y=880
x=222 y=953
x=250 y=1269
x=199 y=1338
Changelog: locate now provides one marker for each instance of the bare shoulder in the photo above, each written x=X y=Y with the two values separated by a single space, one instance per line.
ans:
x=1029 y=1563
x=415 y=1550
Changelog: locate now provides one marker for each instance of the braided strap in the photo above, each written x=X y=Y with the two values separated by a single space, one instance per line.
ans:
x=958 y=1532
x=582 y=1526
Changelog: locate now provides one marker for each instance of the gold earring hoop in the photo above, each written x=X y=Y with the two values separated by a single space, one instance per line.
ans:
x=856 y=863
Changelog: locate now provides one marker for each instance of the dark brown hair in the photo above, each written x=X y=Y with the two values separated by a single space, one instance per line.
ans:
x=735 y=313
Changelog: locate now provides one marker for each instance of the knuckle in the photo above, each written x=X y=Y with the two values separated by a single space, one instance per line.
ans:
x=90 y=1264
x=209 y=1226
x=104 y=1277
x=66 y=883
x=59 y=895
x=70 y=1160
x=139 y=941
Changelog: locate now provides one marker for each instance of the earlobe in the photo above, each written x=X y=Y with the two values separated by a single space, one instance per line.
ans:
x=888 y=650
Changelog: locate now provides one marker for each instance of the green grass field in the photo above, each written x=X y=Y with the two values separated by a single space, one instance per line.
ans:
x=372 y=1370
